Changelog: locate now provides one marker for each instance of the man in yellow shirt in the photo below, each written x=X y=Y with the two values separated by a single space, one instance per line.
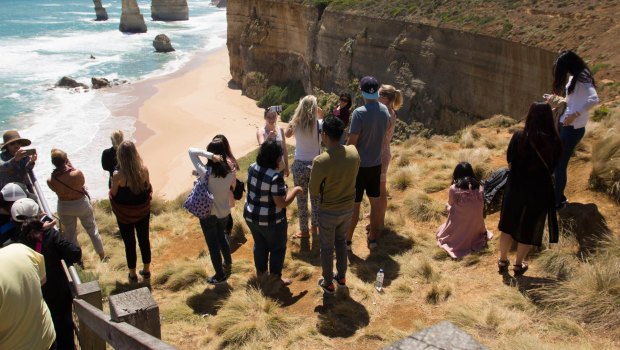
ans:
x=25 y=321
x=332 y=179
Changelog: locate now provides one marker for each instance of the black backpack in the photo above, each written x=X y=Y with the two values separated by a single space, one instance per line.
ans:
x=494 y=190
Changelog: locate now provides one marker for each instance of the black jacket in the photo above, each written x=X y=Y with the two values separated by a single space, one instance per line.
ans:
x=108 y=162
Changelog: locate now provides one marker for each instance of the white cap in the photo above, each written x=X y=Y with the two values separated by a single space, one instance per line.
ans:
x=13 y=191
x=24 y=209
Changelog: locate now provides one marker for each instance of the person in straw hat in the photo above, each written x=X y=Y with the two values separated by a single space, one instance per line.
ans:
x=15 y=163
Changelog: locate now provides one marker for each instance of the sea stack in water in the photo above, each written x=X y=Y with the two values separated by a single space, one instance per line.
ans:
x=219 y=3
x=131 y=19
x=169 y=10
x=102 y=14
x=70 y=83
x=162 y=43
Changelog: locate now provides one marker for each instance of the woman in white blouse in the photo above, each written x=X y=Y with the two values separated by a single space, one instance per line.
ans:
x=573 y=79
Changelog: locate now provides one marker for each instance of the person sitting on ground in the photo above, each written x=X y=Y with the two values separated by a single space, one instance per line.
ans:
x=220 y=180
x=265 y=210
x=10 y=193
x=25 y=319
x=271 y=131
x=130 y=197
x=306 y=127
x=464 y=231
x=45 y=239
x=108 y=156
x=15 y=162
x=331 y=181
x=73 y=201
x=369 y=124
x=234 y=167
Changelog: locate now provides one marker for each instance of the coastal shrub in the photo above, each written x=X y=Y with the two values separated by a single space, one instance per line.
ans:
x=600 y=113
x=288 y=111
x=286 y=93
x=497 y=121
x=605 y=176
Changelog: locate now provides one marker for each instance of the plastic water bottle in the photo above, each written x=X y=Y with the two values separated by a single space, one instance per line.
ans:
x=379 y=281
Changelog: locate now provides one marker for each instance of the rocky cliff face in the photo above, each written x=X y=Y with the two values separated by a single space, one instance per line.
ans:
x=169 y=10
x=449 y=77
x=131 y=19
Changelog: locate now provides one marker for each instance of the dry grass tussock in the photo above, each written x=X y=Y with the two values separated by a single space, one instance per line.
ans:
x=605 y=176
x=421 y=207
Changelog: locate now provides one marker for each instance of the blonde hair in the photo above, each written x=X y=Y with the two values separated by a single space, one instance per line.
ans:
x=394 y=96
x=117 y=137
x=130 y=164
x=305 y=114
x=59 y=157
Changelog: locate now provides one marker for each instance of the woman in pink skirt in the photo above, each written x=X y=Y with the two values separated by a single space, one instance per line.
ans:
x=464 y=231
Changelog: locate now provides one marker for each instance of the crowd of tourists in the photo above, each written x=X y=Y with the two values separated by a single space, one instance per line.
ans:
x=339 y=156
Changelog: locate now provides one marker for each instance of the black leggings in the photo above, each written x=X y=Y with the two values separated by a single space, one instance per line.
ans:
x=129 y=232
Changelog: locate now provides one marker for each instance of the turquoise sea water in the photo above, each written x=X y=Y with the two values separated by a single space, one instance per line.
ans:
x=43 y=40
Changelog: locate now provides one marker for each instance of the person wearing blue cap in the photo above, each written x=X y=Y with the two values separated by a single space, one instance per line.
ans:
x=367 y=131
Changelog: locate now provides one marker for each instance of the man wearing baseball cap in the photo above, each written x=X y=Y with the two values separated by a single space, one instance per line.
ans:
x=10 y=193
x=15 y=163
x=368 y=126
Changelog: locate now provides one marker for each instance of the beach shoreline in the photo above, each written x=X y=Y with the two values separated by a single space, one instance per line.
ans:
x=186 y=109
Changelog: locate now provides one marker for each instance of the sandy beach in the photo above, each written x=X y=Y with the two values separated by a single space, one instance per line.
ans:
x=187 y=110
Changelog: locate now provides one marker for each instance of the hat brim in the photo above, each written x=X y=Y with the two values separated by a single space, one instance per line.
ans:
x=22 y=143
x=368 y=96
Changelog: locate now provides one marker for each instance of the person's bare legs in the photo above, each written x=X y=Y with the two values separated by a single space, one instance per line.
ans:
x=522 y=250
x=375 y=217
x=382 y=205
x=505 y=242
x=355 y=217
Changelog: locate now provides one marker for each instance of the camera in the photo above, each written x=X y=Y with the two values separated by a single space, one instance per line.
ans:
x=277 y=109
x=30 y=151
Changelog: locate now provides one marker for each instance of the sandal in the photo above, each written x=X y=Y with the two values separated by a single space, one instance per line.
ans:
x=519 y=270
x=502 y=265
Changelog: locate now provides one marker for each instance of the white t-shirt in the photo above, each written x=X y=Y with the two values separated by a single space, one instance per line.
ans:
x=218 y=186
x=308 y=145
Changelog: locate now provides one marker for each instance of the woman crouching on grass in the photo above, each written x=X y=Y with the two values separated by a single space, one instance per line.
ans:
x=464 y=231
x=265 y=210
x=220 y=179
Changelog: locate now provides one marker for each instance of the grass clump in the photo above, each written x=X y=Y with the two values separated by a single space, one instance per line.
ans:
x=605 y=176
x=180 y=276
x=497 y=121
x=247 y=317
x=423 y=208
x=438 y=293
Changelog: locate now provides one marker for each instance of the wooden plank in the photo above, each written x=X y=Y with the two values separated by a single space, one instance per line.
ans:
x=90 y=293
x=137 y=308
x=120 y=336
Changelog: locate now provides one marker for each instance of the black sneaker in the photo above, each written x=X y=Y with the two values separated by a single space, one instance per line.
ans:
x=327 y=288
x=342 y=282
x=217 y=279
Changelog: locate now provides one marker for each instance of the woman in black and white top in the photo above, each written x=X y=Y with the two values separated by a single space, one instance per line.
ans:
x=221 y=180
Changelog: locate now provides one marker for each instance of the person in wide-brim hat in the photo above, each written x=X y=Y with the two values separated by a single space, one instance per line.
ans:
x=12 y=136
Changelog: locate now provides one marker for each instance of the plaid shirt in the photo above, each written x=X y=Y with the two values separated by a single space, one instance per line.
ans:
x=263 y=185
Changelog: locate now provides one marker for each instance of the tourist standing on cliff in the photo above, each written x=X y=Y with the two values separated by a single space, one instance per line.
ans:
x=130 y=197
x=343 y=112
x=306 y=127
x=16 y=163
x=369 y=124
x=108 y=156
x=234 y=167
x=528 y=197
x=330 y=181
x=73 y=201
x=271 y=131
x=393 y=100
x=573 y=79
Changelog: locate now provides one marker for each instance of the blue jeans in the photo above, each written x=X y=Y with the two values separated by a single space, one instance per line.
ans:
x=213 y=229
x=269 y=246
x=570 y=137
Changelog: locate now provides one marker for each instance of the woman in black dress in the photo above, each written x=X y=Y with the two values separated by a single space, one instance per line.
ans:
x=529 y=196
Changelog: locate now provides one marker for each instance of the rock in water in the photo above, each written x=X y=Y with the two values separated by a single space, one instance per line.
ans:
x=131 y=19
x=70 y=83
x=162 y=43
x=99 y=83
x=102 y=14
x=169 y=10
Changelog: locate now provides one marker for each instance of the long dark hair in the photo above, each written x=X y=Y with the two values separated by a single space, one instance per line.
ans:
x=229 y=154
x=30 y=231
x=268 y=154
x=540 y=132
x=569 y=62
x=464 y=178
x=218 y=169
x=348 y=97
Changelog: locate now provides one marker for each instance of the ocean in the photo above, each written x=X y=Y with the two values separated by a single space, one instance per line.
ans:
x=44 y=40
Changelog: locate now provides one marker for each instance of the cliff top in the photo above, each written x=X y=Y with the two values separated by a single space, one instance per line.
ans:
x=589 y=27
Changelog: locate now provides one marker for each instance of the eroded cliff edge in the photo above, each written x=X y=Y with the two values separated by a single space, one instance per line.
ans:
x=449 y=77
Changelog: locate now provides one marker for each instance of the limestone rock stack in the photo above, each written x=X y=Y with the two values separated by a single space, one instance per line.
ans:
x=169 y=10
x=162 y=43
x=219 y=3
x=131 y=19
x=102 y=14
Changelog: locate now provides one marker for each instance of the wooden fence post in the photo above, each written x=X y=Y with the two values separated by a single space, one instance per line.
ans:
x=90 y=293
x=137 y=308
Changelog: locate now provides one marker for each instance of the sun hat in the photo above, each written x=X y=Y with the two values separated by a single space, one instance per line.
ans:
x=13 y=191
x=24 y=209
x=370 y=88
x=13 y=136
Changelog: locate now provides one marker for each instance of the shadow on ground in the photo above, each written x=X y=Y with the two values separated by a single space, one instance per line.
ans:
x=341 y=316
x=210 y=300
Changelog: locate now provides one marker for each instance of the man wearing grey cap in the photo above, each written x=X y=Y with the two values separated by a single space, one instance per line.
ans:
x=368 y=126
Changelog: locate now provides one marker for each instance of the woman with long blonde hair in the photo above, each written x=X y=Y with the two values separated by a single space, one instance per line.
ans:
x=393 y=100
x=130 y=196
x=306 y=127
